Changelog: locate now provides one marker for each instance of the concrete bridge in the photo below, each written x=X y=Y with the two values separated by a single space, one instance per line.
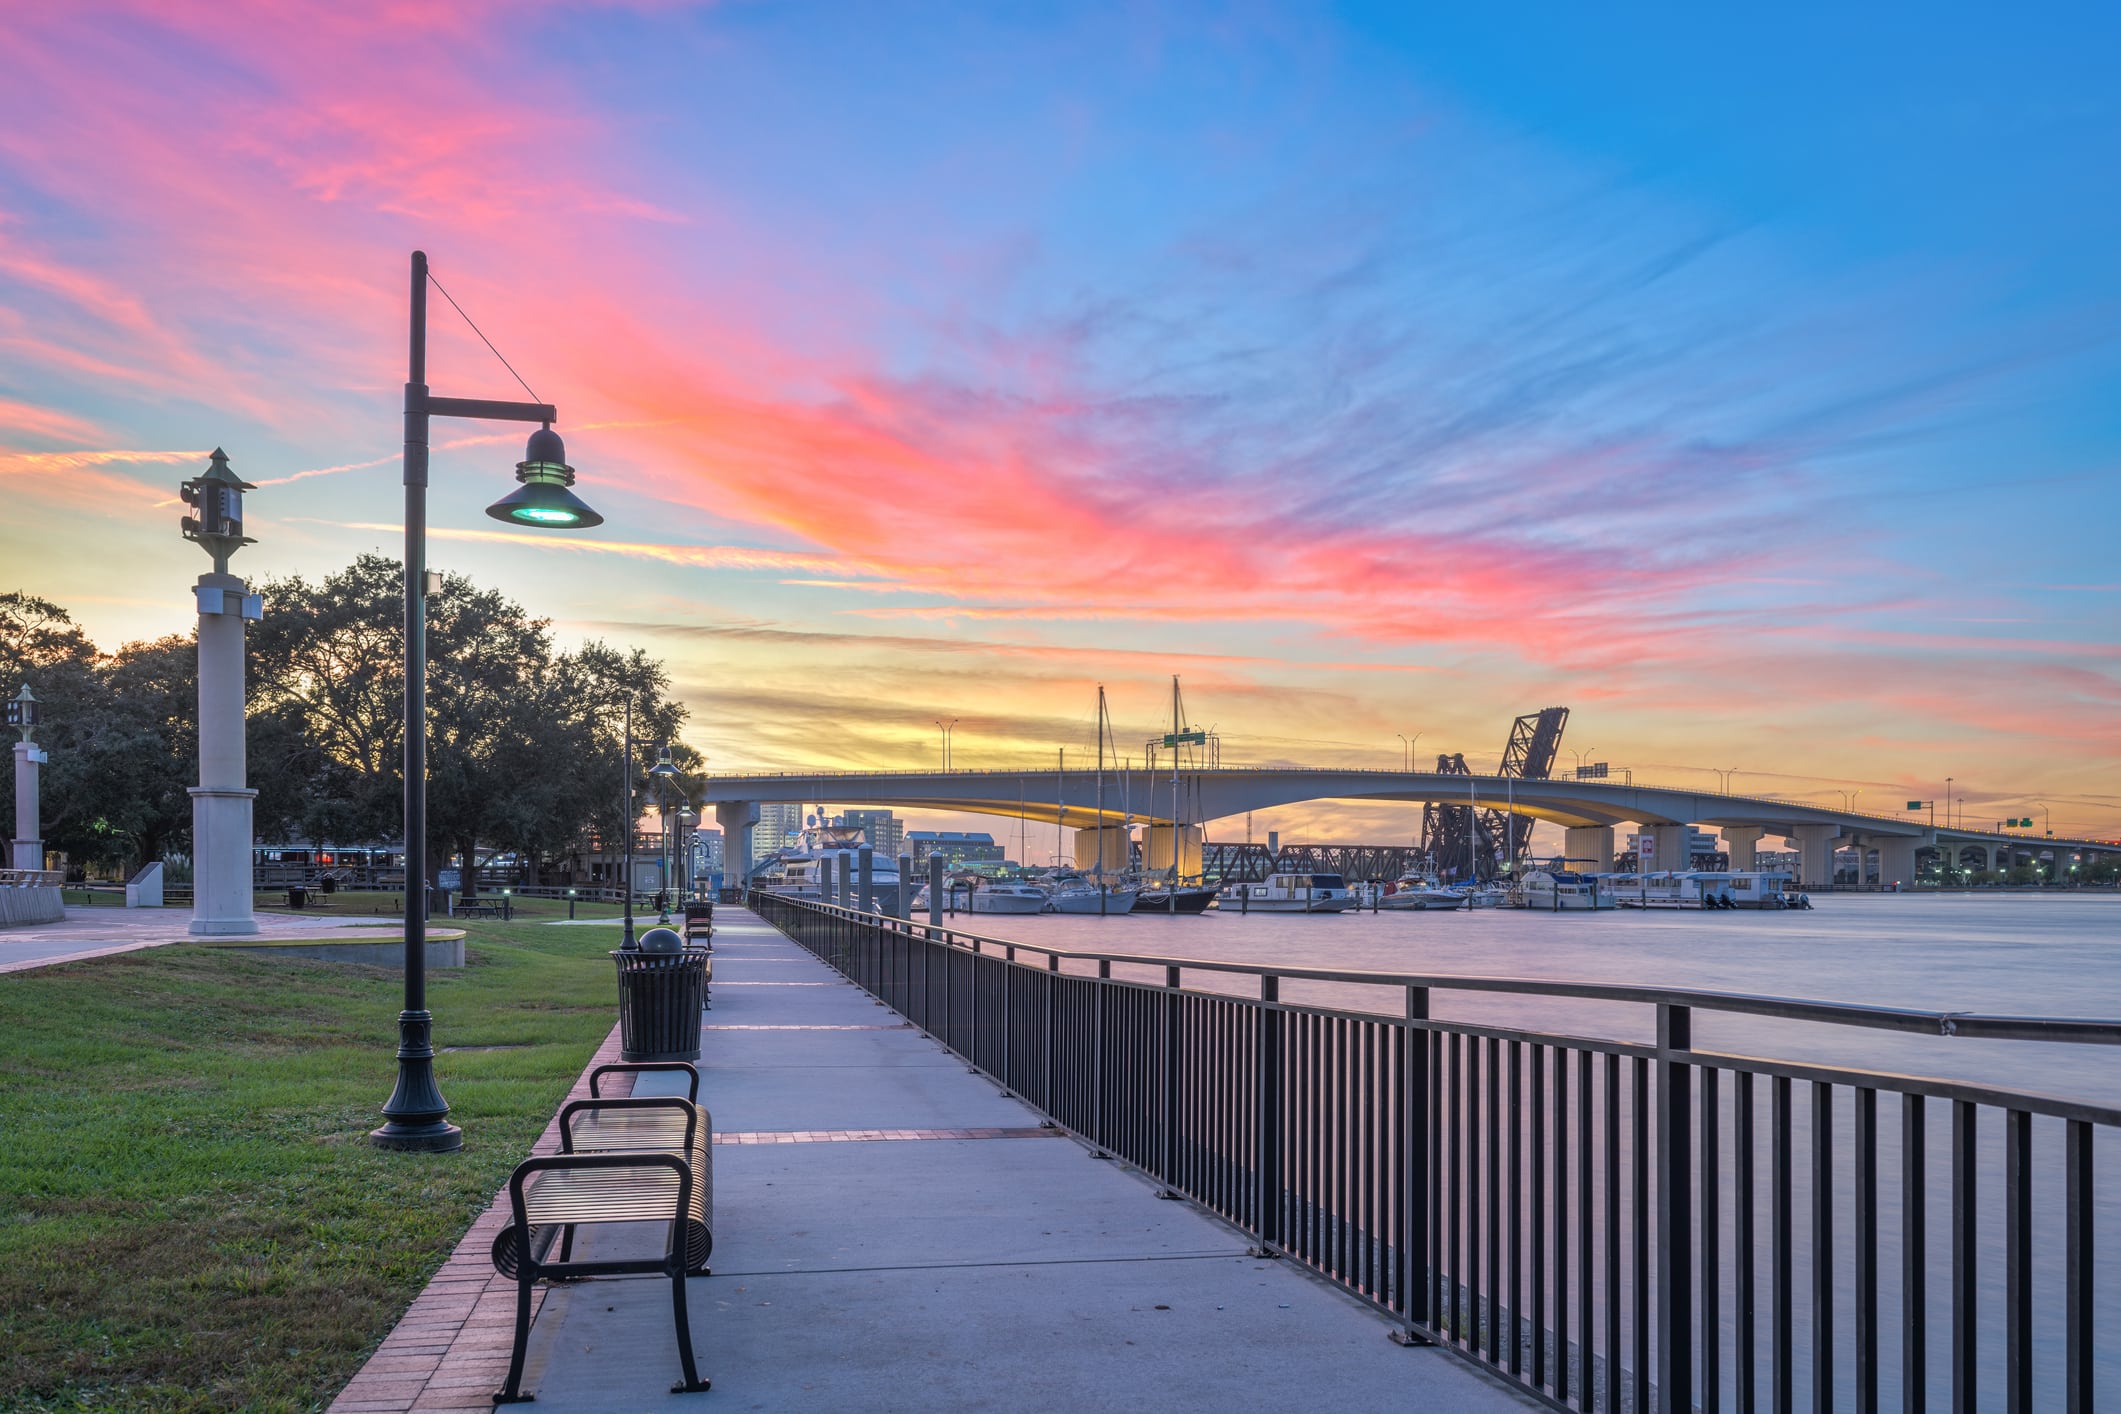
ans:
x=1586 y=809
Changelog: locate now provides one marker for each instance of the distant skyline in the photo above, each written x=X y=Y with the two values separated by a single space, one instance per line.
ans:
x=1745 y=384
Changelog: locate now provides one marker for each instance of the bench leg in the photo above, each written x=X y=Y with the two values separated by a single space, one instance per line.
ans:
x=512 y=1392
x=692 y=1383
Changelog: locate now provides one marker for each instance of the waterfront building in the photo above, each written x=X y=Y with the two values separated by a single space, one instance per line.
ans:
x=959 y=848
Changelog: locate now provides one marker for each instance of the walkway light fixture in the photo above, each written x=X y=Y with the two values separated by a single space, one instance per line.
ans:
x=416 y=1115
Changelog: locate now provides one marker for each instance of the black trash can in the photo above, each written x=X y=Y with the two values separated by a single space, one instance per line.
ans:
x=661 y=995
x=297 y=897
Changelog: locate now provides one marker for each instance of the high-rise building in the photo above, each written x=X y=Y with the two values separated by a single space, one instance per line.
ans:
x=780 y=826
x=885 y=832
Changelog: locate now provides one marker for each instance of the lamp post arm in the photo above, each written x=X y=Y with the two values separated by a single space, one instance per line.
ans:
x=478 y=409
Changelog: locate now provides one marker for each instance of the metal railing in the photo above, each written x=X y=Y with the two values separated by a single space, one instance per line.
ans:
x=1605 y=1222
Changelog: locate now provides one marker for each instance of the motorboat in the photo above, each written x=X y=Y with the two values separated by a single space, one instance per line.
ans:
x=1705 y=888
x=1558 y=891
x=1485 y=897
x=997 y=896
x=1293 y=893
x=1419 y=892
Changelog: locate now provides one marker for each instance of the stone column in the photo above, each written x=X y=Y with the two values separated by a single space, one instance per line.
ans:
x=1109 y=841
x=1896 y=859
x=1671 y=846
x=1815 y=854
x=221 y=802
x=1742 y=843
x=1588 y=848
x=736 y=817
x=29 y=832
x=1158 y=846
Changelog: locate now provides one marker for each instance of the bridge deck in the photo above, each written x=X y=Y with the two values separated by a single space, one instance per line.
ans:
x=894 y=1234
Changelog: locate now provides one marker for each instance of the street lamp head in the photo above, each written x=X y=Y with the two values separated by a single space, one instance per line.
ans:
x=663 y=766
x=544 y=498
x=23 y=712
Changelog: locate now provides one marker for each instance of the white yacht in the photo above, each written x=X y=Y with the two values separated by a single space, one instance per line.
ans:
x=1420 y=891
x=799 y=871
x=1703 y=888
x=1553 y=891
x=995 y=896
x=1487 y=896
x=1290 y=893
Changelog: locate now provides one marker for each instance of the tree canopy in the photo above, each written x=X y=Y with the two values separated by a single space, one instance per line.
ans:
x=524 y=740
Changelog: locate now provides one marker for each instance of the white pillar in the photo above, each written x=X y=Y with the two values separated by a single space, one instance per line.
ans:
x=1815 y=854
x=1588 y=848
x=1896 y=859
x=1157 y=849
x=221 y=802
x=1742 y=843
x=736 y=817
x=29 y=838
x=1672 y=846
x=1110 y=841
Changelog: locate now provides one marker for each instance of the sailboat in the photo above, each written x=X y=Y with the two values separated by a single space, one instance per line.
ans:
x=1170 y=895
x=1075 y=892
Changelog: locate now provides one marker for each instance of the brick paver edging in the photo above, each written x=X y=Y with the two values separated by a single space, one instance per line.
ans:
x=450 y=1351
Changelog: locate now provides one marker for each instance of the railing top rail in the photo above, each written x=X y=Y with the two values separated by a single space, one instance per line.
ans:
x=1972 y=1025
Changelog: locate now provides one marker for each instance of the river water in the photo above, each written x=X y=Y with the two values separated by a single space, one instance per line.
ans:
x=2037 y=955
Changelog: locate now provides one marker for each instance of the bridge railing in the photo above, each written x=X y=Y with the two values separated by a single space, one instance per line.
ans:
x=1612 y=1224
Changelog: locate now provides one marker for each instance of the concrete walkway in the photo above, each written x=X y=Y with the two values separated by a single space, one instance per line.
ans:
x=90 y=931
x=891 y=1233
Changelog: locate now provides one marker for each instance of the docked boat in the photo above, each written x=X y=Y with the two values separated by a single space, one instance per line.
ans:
x=799 y=871
x=1705 y=888
x=1486 y=897
x=1557 y=891
x=1419 y=892
x=1081 y=894
x=1293 y=893
x=994 y=896
x=1185 y=898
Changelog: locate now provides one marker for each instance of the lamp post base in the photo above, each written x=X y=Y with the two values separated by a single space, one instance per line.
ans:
x=416 y=1111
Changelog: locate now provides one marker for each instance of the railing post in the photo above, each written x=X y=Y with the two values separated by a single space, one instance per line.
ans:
x=1097 y=1055
x=1414 y=1166
x=1266 y=1161
x=1169 y=1147
x=1052 y=1022
x=1675 y=1209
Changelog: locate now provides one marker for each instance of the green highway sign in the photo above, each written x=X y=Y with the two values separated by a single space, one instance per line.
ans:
x=1196 y=738
x=1914 y=805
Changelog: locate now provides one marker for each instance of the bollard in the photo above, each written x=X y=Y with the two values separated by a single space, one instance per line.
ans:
x=935 y=890
x=570 y=905
x=905 y=888
x=824 y=880
x=865 y=872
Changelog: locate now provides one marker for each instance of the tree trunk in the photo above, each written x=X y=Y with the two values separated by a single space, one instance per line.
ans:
x=468 y=853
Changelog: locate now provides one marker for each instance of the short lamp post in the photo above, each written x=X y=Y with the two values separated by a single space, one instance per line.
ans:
x=416 y=1115
x=221 y=802
x=663 y=770
x=23 y=714
x=684 y=850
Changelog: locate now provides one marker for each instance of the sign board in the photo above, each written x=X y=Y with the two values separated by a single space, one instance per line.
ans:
x=449 y=880
x=1915 y=805
x=1645 y=851
x=1194 y=738
x=1595 y=771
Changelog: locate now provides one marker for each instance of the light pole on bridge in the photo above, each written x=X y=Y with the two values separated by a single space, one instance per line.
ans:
x=1848 y=799
x=1409 y=742
x=946 y=728
x=1723 y=775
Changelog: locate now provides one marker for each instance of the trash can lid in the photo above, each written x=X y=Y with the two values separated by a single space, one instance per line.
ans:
x=662 y=940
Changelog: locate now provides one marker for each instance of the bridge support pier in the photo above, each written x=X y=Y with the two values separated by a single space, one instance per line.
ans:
x=1742 y=843
x=1157 y=849
x=1815 y=854
x=1108 y=840
x=1896 y=859
x=1588 y=848
x=1671 y=848
x=736 y=817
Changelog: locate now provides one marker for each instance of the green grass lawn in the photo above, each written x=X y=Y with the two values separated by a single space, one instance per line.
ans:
x=191 y=1217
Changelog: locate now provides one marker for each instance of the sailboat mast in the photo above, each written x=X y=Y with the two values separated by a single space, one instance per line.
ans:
x=1099 y=872
x=1060 y=805
x=1175 y=821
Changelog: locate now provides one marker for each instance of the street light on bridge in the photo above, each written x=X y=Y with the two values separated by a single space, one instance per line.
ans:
x=1409 y=742
x=416 y=1115
x=946 y=728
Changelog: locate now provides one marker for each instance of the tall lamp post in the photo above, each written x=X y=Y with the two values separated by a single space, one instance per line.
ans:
x=946 y=728
x=416 y=1115
x=684 y=851
x=23 y=714
x=1409 y=741
x=627 y=813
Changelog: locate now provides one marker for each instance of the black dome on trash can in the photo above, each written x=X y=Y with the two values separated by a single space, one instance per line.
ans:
x=662 y=940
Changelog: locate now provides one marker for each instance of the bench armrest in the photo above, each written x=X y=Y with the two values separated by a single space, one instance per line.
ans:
x=687 y=1108
x=691 y=1071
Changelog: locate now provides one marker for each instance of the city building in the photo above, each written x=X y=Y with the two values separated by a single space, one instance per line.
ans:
x=959 y=848
x=885 y=832
x=780 y=826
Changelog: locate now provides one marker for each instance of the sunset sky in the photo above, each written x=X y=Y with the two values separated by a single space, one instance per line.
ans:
x=1747 y=387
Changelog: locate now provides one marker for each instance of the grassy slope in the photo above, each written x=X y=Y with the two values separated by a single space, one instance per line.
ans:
x=190 y=1217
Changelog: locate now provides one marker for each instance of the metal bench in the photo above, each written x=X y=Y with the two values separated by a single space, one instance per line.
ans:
x=636 y=1159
